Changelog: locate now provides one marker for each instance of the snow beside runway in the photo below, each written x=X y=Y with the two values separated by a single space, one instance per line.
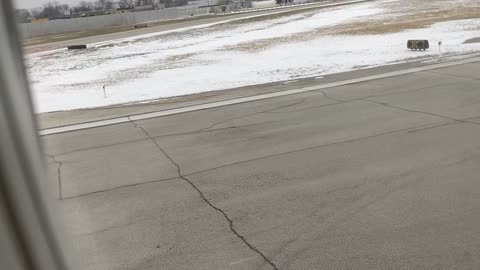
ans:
x=227 y=55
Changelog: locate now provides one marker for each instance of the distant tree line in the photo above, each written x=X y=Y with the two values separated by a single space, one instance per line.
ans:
x=55 y=10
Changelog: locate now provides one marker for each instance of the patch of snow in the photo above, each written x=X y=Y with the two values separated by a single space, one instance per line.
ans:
x=205 y=59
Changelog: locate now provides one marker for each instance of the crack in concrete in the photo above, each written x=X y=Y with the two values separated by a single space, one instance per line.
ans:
x=164 y=135
x=315 y=107
x=119 y=187
x=217 y=129
x=304 y=149
x=272 y=110
x=348 y=213
x=432 y=127
x=451 y=75
x=250 y=114
x=413 y=129
x=409 y=130
x=422 y=112
x=59 y=175
x=207 y=201
x=340 y=101
x=100 y=146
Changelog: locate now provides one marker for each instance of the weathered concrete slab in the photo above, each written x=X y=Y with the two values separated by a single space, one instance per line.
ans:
x=104 y=168
x=159 y=225
x=389 y=201
x=90 y=138
x=286 y=132
x=376 y=175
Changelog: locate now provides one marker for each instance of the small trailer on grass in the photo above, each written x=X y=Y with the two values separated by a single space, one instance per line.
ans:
x=418 y=45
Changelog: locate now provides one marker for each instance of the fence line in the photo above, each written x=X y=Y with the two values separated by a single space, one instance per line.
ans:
x=55 y=27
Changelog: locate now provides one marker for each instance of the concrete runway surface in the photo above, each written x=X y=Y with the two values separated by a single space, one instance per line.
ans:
x=381 y=174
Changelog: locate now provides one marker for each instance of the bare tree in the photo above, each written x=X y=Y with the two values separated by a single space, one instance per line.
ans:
x=175 y=3
x=23 y=16
x=102 y=3
x=84 y=6
x=53 y=10
x=36 y=12
x=108 y=5
x=105 y=4
x=180 y=2
x=129 y=3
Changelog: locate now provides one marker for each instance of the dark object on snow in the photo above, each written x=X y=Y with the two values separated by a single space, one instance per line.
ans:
x=143 y=25
x=418 y=45
x=472 y=40
x=77 y=47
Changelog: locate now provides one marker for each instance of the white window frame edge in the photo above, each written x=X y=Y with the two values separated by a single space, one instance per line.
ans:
x=30 y=234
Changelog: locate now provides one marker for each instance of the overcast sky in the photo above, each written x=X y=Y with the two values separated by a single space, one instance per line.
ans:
x=38 y=3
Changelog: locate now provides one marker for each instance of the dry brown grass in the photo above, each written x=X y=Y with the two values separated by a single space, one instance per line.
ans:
x=393 y=20
x=115 y=29
x=401 y=23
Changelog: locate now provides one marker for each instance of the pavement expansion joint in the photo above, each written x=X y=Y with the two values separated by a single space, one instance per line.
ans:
x=250 y=114
x=421 y=112
x=59 y=175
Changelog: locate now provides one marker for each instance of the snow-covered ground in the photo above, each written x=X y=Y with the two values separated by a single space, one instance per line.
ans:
x=227 y=55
